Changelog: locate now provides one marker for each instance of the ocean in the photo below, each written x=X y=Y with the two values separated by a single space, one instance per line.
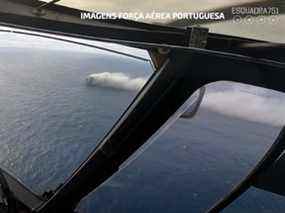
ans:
x=51 y=121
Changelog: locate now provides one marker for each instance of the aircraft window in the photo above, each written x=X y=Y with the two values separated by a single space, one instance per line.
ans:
x=57 y=100
x=197 y=161
x=237 y=22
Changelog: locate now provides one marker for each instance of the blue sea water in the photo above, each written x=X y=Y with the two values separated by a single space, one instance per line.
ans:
x=50 y=121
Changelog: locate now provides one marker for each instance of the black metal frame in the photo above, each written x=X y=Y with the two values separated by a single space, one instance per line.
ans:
x=182 y=74
x=252 y=178
x=141 y=35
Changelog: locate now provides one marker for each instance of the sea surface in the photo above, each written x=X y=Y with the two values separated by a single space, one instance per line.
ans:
x=50 y=121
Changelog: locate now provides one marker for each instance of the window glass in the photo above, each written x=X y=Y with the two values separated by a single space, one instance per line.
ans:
x=197 y=161
x=57 y=100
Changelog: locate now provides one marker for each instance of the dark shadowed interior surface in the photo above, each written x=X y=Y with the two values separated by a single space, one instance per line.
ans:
x=51 y=120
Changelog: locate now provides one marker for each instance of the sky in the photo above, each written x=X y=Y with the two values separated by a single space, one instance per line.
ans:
x=9 y=39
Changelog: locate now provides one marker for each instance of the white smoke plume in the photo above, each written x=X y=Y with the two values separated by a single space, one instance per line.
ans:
x=244 y=102
x=116 y=81
x=247 y=106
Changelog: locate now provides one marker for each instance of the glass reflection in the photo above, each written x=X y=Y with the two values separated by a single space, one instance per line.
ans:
x=197 y=161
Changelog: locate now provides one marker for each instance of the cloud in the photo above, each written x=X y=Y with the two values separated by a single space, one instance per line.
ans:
x=259 y=107
x=238 y=101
